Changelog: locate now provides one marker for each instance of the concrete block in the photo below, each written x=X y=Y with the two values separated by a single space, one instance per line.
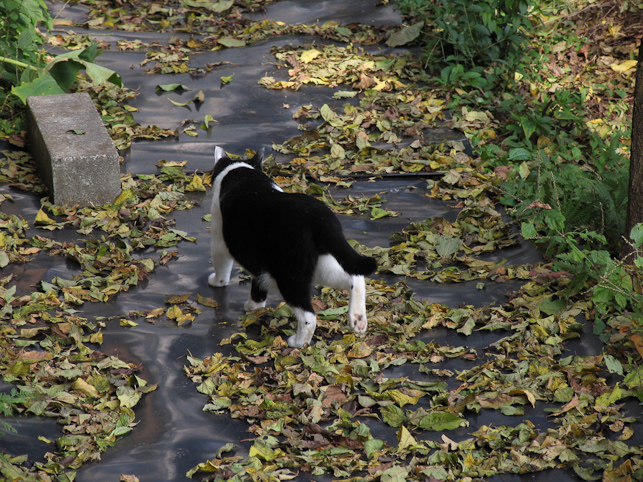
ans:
x=73 y=151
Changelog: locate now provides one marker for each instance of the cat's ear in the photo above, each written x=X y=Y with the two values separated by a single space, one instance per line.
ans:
x=218 y=154
x=257 y=159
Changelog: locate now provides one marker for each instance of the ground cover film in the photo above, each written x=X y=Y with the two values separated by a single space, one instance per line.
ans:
x=119 y=362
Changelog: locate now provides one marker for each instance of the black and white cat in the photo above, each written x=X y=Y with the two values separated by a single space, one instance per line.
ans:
x=288 y=242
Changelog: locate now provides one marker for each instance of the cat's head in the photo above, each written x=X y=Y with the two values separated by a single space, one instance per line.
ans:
x=221 y=160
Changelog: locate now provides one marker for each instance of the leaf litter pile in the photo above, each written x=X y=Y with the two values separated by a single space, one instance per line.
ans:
x=392 y=405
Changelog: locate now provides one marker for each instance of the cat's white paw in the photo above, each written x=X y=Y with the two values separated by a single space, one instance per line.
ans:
x=253 y=305
x=293 y=342
x=218 y=281
x=358 y=322
x=306 y=323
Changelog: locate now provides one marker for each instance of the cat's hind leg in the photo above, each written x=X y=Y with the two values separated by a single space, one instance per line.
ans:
x=330 y=273
x=357 y=305
x=258 y=294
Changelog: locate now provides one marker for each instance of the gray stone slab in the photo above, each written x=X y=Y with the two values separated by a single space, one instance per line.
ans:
x=73 y=151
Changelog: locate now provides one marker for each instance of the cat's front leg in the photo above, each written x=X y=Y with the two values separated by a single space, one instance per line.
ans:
x=222 y=267
x=257 y=297
x=306 y=324
x=357 y=305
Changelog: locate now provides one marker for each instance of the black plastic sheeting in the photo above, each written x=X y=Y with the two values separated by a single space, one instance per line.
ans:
x=174 y=434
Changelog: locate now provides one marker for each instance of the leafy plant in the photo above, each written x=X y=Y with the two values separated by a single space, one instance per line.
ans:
x=560 y=196
x=20 y=42
x=550 y=116
x=613 y=286
x=466 y=37
x=26 y=69
x=59 y=74
x=8 y=402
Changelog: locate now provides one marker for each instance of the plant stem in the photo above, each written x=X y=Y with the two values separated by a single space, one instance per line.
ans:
x=18 y=63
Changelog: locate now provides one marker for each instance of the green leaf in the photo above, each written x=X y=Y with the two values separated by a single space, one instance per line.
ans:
x=379 y=213
x=43 y=85
x=613 y=365
x=207 y=120
x=226 y=80
x=447 y=246
x=523 y=170
x=65 y=72
x=332 y=313
x=406 y=35
x=231 y=42
x=519 y=154
x=128 y=396
x=439 y=421
x=637 y=234
x=337 y=152
x=634 y=379
x=372 y=447
x=4 y=258
x=468 y=326
x=402 y=398
x=171 y=87
x=65 y=67
x=344 y=94
x=221 y=6
x=529 y=127
x=330 y=116
x=181 y=104
x=392 y=415
x=395 y=474
x=528 y=230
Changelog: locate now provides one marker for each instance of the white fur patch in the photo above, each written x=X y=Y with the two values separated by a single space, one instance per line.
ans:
x=329 y=272
x=221 y=258
x=251 y=305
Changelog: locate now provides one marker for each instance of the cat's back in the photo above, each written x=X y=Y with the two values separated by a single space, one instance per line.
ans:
x=250 y=194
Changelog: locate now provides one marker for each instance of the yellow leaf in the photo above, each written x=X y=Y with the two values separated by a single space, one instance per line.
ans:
x=381 y=85
x=410 y=398
x=609 y=398
x=404 y=438
x=174 y=312
x=360 y=350
x=309 y=55
x=82 y=386
x=202 y=300
x=624 y=67
x=476 y=116
x=42 y=218
x=196 y=184
x=188 y=317
x=155 y=313
x=126 y=196
x=522 y=391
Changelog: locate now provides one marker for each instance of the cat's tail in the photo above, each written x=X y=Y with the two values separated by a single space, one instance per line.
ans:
x=352 y=262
